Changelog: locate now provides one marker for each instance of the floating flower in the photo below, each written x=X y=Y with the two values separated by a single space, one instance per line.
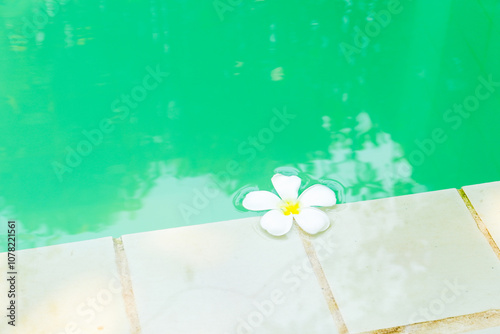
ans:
x=289 y=205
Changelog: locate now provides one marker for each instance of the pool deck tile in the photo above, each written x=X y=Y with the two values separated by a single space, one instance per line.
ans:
x=225 y=278
x=408 y=259
x=69 y=288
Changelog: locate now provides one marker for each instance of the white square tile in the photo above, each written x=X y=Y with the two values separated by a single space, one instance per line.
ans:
x=408 y=259
x=486 y=200
x=71 y=288
x=225 y=278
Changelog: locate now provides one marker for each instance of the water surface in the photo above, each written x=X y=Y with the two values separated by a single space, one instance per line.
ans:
x=121 y=117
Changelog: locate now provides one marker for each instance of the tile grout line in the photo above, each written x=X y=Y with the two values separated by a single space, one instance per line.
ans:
x=323 y=282
x=127 y=290
x=479 y=222
x=452 y=325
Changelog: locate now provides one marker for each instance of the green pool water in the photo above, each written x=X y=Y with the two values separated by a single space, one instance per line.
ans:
x=119 y=117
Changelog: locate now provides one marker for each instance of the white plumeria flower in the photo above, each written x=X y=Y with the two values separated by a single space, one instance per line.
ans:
x=279 y=220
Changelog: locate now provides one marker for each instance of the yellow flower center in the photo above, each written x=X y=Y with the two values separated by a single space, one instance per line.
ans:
x=290 y=207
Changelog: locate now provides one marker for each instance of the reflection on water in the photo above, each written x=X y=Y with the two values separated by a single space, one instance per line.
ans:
x=367 y=162
x=212 y=125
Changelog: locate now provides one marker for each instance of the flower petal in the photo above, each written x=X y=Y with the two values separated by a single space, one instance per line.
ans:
x=260 y=200
x=286 y=186
x=312 y=220
x=276 y=223
x=317 y=195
